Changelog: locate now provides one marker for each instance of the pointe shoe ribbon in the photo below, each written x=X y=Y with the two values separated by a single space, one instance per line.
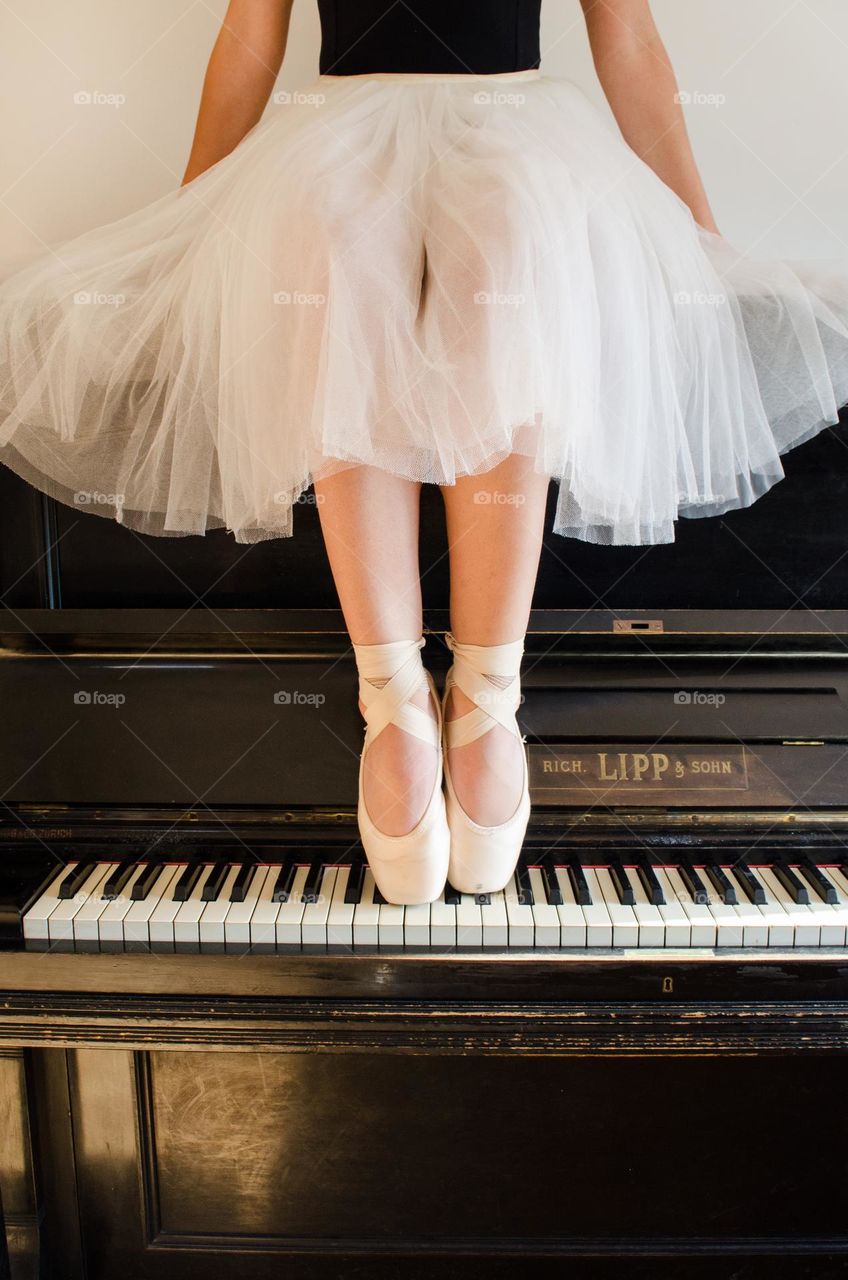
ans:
x=390 y=704
x=483 y=858
x=411 y=868
x=473 y=664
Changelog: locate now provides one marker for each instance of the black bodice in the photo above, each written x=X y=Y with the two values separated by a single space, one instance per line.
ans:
x=484 y=37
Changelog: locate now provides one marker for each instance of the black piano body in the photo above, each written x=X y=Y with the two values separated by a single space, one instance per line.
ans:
x=376 y=1105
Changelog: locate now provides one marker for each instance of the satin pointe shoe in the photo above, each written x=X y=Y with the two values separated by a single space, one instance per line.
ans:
x=482 y=859
x=411 y=868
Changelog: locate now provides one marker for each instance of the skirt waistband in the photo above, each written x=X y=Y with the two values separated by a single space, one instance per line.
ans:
x=446 y=77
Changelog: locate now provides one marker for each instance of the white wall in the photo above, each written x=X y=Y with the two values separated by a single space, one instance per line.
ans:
x=774 y=153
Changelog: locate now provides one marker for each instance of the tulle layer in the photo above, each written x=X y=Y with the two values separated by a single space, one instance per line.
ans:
x=424 y=274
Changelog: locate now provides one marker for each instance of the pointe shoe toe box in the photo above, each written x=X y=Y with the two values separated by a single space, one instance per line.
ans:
x=482 y=859
x=412 y=868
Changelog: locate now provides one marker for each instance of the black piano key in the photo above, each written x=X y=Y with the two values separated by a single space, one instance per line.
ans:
x=621 y=884
x=378 y=897
x=525 y=890
x=452 y=896
x=355 y=881
x=825 y=888
x=186 y=882
x=285 y=880
x=214 y=882
x=75 y=879
x=698 y=891
x=483 y=899
x=118 y=880
x=579 y=884
x=650 y=883
x=242 y=882
x=312 y=887
x=146 y=881
x=795 y=887
x=553 y=893
x=720 y=883
x=752 y=887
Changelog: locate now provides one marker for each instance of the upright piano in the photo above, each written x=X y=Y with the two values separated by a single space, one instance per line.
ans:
x=221 y=1053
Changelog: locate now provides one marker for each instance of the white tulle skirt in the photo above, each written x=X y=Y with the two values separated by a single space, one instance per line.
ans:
x=424 y=274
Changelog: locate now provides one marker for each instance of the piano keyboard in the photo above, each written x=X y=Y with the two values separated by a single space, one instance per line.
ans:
x=238 y=907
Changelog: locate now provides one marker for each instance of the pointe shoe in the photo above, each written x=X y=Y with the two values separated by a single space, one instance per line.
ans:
x=408 y=869
x=482 y=859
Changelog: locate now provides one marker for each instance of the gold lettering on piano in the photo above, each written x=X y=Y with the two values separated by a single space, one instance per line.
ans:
x=605 y=772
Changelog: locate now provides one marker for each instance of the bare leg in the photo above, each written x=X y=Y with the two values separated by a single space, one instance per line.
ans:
x=495 y=524
x=370 y=524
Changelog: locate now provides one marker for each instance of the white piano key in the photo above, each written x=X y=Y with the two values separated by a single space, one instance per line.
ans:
x=828 y=918
x=253 y=922
x=211 y=927
x=678 y=927
x=469 y=922
x=650 y=922
x=519 y=917
x=416 y=925
x=701 y=919
x=187 y=919
x=546 y=926
x=366 y=915
x=313 y=927
x=76 y=918
x=340 y=919
x=757 y=924
x=730 y=929
x=572 y=921
x=780 y=928
x=442 y=923
x=35 y=920
x=494 y=921
x=162 y=919
x=290 y=914
x=625 y=927
x=390 y=924
x=837 y=875
x=137 y=919
x=805 y=929
x=238 y=923
x=833 y=918
x=110 y=925
x=596 y=915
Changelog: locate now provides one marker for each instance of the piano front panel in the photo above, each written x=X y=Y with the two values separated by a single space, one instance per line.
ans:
x=375 y=1163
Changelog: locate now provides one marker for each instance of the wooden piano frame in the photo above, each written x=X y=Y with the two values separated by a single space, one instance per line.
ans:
x=655 y=1115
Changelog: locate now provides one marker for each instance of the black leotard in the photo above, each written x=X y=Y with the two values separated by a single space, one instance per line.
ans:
x=485 y=37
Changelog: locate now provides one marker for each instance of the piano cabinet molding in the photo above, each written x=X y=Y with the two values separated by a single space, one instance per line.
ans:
x=438 y=1027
